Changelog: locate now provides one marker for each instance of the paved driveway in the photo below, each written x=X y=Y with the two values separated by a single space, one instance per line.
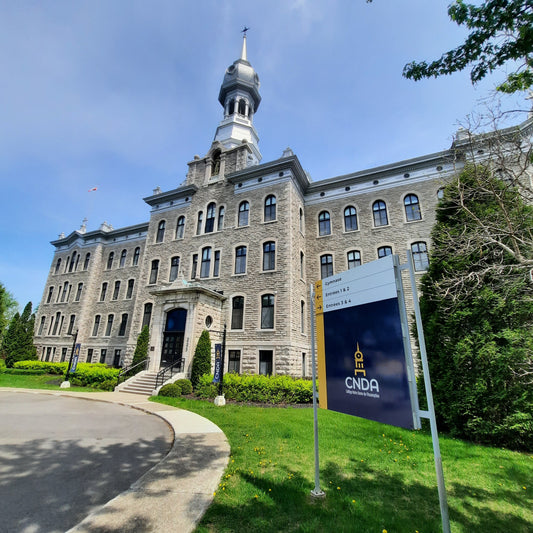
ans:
x=61 y=457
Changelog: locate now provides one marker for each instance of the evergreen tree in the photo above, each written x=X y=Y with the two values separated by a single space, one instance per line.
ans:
x=201 y=363
x=8 y=306
x=477 y=311
x=17 y=344
x=141 y=349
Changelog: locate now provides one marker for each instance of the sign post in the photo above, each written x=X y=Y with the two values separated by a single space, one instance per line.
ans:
x=365 y=364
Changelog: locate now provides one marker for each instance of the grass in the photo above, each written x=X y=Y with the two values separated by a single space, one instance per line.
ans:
x=375 y=477
x=44 y=381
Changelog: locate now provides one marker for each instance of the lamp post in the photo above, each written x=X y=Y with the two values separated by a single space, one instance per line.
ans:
x=66 y=383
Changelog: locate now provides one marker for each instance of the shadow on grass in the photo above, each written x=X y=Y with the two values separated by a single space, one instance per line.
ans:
x=363 y=500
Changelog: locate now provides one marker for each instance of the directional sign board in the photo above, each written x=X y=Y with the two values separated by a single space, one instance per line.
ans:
x=362 y=364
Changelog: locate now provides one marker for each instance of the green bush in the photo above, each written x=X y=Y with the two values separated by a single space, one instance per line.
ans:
x=2 y=365
x=257 y=388
x=201 y=363
x=87 y=374
x=185 y=384
x=171 y=390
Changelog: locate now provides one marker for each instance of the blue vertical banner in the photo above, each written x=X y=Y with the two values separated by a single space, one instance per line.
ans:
x=75 y=358
x=361 y=355
x=218 y=363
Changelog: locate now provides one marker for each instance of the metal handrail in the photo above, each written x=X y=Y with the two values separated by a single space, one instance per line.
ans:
x=169 y=368
x=125 y=372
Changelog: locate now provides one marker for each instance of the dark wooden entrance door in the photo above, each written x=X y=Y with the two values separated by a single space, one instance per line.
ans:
x=173 y=336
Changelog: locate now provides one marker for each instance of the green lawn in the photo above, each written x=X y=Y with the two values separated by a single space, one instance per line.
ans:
x=44 y=381
x=376 y=477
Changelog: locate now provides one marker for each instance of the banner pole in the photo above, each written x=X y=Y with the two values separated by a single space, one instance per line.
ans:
x=317 y=492
x=429 y=395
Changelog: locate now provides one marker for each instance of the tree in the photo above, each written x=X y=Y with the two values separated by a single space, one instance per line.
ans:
x=477 y=311
x=501 y=33
x=8 y=306
x=141 y=349
x=17 y=344
x=201 y=363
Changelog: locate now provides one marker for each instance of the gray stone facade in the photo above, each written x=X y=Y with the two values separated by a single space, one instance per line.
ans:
x=250 y=239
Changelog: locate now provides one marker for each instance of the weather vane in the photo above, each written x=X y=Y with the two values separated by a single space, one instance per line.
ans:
x=244 y=30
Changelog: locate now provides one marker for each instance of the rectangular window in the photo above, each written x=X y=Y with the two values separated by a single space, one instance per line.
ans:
x=103 y=292
x=240 y=260
x=206 y=263
x=234 y=361
x=116 y=290
x=129 y=292
x=41 y=325
x=103 y=355
x=116 y=359
x=174 y=268
x=154 y=271
x=194 y=267
x=63 y=354
x=78 y=292
x=90 y=352
x=237 y=312
x=123 y=324
x=267 y=311
x=71 y=324
x=304 y=365
x=96 y=325
x=265 y=362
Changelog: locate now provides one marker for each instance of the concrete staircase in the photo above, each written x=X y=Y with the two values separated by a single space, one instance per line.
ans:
x=141 y=383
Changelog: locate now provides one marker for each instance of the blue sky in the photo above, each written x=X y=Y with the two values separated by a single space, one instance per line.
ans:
x=121 y=95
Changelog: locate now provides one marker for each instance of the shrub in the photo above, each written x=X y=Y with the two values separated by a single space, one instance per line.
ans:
x=170 y=390
x=201 y=363
x=258 y=388
x=185 y=384
x=2 y=366
x=86 y=375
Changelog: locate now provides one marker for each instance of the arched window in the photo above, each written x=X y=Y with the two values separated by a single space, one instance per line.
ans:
x=326 y=266
x=379 y=209
x=41 y=325
x=136 y=254
x=78 y=292
x=210 y=218
x=350 y=218
x=180 y=227
x=194 y=266
x=220 y=223
x=50 y=294
x=242 y=107
x=420 y=255
x=154 y=271
x=231 y=107
x=302 y=316
x=96 y=325
x=240 y=260
x=270 y=208
x=412 y=207
x=160 y=231
x=72 y=320
x=72 y=262
x=147 y=315
x=244 y=211
x=86 y=262
x=103 y=291
x=58 y=264
x=123 y=258
x=109 y=326
x=199 y=222
x=354 y=258
x=129 y=291
x=205 y=267
x=216 y=264
x=302 y=265
x=384 y=251
x=269 y=255
x=174 y=268
x=301 y=220
x=123 y=324
x=324 y=223
x=267 y=311
x=116 y=290
x=237 y=312
x=110 y=258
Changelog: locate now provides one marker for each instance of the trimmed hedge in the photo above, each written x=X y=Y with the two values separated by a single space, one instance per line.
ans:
x=95 y=375
x=185 y=384
x=24 y=371
x=258 y=388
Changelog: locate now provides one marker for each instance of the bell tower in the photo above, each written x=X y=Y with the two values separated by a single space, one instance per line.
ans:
x=239 y=96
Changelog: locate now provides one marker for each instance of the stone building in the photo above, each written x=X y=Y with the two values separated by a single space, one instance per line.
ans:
x=238 y=244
